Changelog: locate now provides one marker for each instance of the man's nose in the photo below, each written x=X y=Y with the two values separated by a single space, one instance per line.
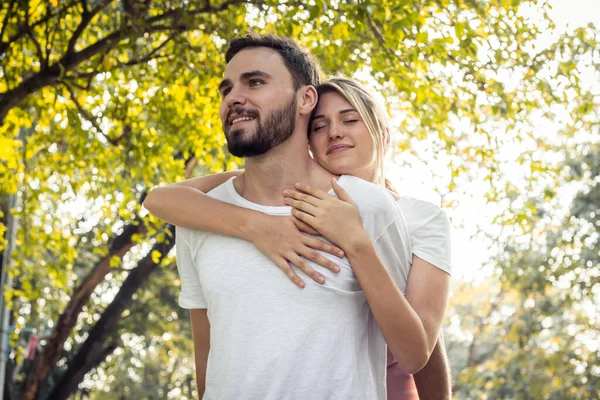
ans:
x=235 y=98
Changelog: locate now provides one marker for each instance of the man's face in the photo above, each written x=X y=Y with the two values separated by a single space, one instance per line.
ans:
x=258 y=102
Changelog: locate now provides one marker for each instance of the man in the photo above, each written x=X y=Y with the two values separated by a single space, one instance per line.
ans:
x=268 y=340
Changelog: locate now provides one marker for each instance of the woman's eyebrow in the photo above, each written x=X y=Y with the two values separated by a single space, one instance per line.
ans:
x=341 y=112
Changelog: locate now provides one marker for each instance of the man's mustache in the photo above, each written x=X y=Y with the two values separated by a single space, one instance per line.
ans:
x=242 y=112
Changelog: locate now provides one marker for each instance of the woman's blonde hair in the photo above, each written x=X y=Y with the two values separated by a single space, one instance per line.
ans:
x=371 y=111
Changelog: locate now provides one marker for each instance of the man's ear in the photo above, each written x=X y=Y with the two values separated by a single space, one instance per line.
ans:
x=308 y=99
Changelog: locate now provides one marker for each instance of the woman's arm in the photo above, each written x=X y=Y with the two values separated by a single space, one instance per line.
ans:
x=411 y=331
x=186 y=205
x=410 y=324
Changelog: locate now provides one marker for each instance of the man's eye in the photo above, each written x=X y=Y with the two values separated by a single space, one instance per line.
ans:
x=225 y=92
x=256 y=82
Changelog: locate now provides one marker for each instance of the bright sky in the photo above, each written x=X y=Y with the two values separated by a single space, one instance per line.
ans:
x=472 y=214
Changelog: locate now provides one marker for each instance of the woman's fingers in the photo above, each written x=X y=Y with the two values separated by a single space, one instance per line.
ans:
x=307 y=198
x=289 y=271
x=341 y=193
x=319 y=194
x=317 y=244
x=304 y=227
x=304 y=217
x=304 y=267
x=315 y=257
x=301 y=205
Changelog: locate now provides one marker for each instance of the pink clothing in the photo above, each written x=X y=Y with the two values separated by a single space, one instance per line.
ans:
x=400 y=384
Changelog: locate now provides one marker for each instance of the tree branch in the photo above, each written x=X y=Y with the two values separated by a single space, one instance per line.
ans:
x=88 y=116
x=83 y=112
x=382 y=43
x=21 y=31
x=82 y=363
x=54 y=73
x=86 y=17
x=37 y=45
x=6 y=18
x=44 y=363
x=149 y=56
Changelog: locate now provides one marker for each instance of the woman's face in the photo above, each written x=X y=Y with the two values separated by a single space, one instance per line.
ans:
x=339 y=139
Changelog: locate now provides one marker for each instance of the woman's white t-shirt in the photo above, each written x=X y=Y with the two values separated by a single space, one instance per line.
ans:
x=429 y=232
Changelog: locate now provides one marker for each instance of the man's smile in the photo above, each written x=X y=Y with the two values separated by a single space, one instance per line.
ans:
x=241 y=119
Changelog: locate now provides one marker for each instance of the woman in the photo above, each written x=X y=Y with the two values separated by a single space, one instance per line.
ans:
x=348 y=135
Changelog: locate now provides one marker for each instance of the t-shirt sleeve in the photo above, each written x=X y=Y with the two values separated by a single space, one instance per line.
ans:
x=191 y=295
x=431 y=240
x=393 y=248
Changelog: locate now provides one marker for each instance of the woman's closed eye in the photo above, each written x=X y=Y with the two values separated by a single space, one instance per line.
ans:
x=318 y=127
x=350 y=121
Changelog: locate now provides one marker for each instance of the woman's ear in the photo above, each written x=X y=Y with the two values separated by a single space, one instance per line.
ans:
x=387 y=137
x=308 y=100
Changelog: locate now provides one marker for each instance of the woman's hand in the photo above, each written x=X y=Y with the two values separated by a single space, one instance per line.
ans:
x=337 y=219
x=282 y=241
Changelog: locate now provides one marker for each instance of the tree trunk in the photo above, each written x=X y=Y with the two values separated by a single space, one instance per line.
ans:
x=45 y=362
x=89 y=354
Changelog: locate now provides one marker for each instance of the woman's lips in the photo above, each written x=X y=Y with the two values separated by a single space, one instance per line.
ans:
x=338 y=148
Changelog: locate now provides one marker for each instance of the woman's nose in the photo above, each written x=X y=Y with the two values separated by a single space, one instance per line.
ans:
x=335 y=132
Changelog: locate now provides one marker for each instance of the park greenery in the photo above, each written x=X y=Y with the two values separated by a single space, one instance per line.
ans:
x=101 y=100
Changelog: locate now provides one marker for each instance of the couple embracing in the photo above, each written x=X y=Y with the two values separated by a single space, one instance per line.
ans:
x=371 y=269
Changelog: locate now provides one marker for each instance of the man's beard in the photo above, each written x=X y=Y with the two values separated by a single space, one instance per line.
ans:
x=276 y=129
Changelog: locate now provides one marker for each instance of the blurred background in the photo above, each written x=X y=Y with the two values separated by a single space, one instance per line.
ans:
x=496 y=113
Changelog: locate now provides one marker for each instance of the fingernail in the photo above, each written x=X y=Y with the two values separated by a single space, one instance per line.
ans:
x=301 y=284
x=286 y=192
x=341 y=253
x=287 y=200
x=320 y=279
x=336 y=268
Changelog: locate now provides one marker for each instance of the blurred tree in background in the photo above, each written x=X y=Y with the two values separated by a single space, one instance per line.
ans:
x=101 y=100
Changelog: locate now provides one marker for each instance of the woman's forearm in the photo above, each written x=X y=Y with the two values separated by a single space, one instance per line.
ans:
x=184 y=204
x=207 y=183
x=401 y=326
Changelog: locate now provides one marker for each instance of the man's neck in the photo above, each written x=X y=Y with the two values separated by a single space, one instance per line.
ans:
x=266 y=176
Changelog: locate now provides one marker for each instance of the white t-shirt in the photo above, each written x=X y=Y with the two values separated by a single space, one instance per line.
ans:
x=272 y=340
x=429 y=231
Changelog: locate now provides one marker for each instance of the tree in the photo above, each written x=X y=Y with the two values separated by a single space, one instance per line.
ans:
x=101 y=100
x=534 y=339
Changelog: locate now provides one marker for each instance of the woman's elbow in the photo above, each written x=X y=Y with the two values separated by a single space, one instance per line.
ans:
x=416 y=365
x=149 y=202
x=415 y=362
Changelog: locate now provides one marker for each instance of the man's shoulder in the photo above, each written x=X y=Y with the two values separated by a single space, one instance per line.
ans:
x=222 y=192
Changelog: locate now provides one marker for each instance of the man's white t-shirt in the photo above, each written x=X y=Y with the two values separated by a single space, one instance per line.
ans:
x=272 y=340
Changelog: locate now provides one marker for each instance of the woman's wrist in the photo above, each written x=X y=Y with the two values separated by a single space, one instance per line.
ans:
x=356 y=243
x=251 y=224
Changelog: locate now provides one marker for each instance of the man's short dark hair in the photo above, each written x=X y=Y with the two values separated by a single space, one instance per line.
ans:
x=302 y=65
